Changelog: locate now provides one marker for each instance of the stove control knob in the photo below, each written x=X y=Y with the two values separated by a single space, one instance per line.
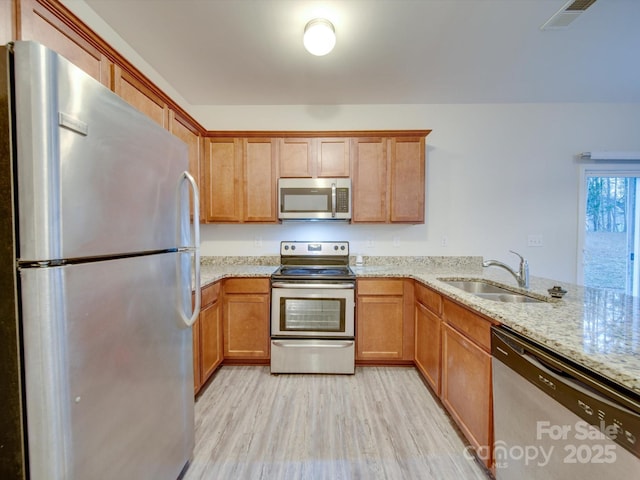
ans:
x=286 y=247
x=293 y=247
x=335 y=247
x=342 y=248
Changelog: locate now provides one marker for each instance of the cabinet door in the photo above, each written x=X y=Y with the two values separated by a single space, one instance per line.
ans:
x=139 y=95
x=466 y=387
x=332 y=157
x=39 y=23
x=246 y=326
x=379 y=331
x=296 y=157
x=427 y=345
x=369 y=163
x=210 y=340
x=188 y=133
x=407 y=180
x=223 y=180
x=260 y=180
x=6 y=23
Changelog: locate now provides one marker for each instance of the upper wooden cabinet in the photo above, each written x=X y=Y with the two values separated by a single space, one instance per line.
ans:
x=369 y=181
x=387 y=172
x=59 y=30
x=388 y=179
x=222 y=180
x=140 y=95
x=259 y=180
x=239 y=180
x=295 y=157
x=51 y=23
x=313 y=157
x=182 y=128
x=407 y=180
x=6 y=23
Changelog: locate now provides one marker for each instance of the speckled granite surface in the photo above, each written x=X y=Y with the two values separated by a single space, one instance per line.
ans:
x=599 y=329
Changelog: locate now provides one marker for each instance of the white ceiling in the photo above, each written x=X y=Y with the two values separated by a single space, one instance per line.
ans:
x=249 y=52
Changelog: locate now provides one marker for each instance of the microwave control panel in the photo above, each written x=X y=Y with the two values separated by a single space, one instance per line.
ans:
x=342 y=200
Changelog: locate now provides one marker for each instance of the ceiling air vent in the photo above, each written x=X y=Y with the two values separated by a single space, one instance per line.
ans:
x=567 y=14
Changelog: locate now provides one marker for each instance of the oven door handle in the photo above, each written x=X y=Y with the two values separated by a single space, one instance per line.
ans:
x=324 y=286
x=318 y=344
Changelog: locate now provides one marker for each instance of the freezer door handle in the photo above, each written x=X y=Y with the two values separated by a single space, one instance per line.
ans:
x=194 y=248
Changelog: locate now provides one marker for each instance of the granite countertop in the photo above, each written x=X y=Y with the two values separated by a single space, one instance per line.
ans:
x=597 y=328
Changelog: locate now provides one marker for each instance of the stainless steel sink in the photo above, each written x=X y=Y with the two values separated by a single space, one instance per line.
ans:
x=491 y=292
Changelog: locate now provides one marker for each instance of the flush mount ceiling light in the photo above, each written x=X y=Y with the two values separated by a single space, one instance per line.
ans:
x=319 y=37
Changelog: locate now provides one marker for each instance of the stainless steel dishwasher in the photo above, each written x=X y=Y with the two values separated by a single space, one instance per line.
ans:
x=554 y=419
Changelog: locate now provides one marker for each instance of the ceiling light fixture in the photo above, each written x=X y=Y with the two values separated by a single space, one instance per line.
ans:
x=319 y=37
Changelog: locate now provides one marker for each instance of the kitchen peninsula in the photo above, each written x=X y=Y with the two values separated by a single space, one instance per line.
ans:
x=597 y=328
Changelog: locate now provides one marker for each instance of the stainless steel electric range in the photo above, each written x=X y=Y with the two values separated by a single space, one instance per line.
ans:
x=313 y=309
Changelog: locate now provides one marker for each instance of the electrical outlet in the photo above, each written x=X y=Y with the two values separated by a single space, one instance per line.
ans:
x=444 y=241
x=534 y=240
x=370 y=243
x=257 y=242
x=396 y=242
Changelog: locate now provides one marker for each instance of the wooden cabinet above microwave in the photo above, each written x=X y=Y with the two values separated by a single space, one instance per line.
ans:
x=387 y=171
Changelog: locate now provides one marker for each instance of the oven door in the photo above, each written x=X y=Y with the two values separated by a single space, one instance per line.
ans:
x=312 y=310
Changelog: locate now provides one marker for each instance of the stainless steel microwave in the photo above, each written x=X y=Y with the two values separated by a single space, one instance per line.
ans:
x=314 y=199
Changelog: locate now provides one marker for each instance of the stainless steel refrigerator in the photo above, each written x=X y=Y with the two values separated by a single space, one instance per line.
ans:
x=97 y=264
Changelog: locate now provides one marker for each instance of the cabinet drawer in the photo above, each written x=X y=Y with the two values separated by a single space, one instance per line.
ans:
x=247 y=285
x=210 y=294
x=429 y=298
x=380 y=287
x=469 y=323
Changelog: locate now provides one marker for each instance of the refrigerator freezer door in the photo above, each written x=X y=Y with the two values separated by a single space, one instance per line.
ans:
x=95 y=176
x=108 y=369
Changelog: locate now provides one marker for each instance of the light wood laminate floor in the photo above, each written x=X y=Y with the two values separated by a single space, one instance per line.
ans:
x=381 y=423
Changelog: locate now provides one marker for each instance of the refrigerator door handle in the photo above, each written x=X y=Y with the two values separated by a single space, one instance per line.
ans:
x=194 y=247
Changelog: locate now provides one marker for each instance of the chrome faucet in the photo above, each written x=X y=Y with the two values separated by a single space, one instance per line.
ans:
x=521 y=276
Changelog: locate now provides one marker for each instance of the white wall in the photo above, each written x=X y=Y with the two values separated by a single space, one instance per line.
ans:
x=495 y=174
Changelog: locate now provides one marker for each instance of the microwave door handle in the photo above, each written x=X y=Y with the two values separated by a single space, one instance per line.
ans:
x=333 y=200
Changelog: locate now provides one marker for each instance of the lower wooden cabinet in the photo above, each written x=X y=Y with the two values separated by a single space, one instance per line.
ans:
x=207 y=336
x=210 y=339
x=246 y=308
x=382 y=334
x=428 y=353
x=466 y=384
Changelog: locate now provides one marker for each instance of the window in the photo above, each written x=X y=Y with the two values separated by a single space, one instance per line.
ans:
x=608 y=228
